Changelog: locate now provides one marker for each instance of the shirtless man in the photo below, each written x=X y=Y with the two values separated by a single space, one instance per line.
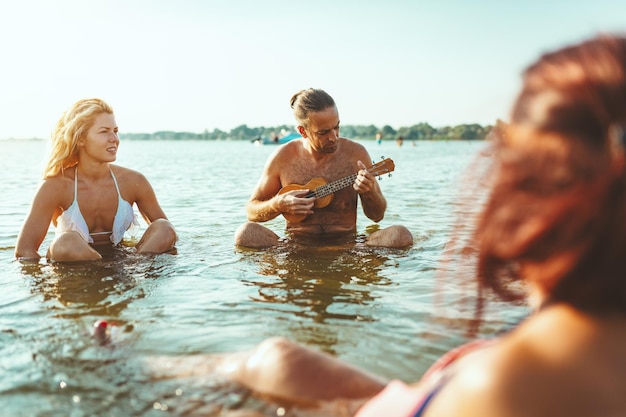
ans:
x=321 y=153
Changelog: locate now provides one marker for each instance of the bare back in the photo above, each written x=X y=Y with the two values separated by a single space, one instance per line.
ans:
x=558 y=363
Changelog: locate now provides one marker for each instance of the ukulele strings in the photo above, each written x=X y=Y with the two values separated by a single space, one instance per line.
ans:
x=327 y=189
x=332 y=187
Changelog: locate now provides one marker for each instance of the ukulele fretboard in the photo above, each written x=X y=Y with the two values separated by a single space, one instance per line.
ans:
x=331 y=187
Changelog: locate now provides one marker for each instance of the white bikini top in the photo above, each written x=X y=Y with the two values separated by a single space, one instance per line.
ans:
x=72 y=219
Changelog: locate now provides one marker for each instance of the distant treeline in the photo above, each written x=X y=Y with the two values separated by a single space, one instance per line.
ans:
x=421 y=131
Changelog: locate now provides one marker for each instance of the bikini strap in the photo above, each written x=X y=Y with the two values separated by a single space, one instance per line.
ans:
x=76 y=184
x=115 y=182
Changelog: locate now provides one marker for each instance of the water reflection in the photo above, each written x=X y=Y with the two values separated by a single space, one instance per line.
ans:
x=322 y=283
x=67 y=368
x=100 y=288
x=77 y=295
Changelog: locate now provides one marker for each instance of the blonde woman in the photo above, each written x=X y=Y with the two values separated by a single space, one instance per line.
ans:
x=87 y=198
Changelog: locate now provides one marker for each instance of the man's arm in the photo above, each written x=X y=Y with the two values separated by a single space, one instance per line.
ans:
x=266 y=203
x=372 y=199
x=263 y=204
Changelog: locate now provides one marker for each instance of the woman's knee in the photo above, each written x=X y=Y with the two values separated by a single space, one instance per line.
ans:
x=165 y=230
x=70 y=246
x=159 y=237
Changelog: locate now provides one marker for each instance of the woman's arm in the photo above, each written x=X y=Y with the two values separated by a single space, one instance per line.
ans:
x=160 y=236
x=37 y=223
x=146 y=198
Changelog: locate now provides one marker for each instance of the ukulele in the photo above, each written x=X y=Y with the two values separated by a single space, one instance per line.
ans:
x=323 y=191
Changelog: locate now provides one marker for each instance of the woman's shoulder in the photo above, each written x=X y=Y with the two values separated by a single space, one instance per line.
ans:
x=58 y=182
x=55 y=191
x=126 y=174
x=131 y=183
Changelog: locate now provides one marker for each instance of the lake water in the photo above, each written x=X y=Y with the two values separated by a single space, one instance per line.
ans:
x=372 y=308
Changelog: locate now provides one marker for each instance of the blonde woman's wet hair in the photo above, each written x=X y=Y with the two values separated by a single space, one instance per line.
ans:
x=70 y=129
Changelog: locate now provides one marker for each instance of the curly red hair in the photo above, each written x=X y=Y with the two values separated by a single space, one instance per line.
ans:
x=556 y=211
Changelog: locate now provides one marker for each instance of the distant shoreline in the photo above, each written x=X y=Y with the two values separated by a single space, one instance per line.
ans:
x=421 y=131
x=123 y=137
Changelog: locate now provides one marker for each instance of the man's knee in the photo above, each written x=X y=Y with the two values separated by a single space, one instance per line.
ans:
x=391 y=237
x=242 y=234
x=253 y=235
x=403 y=236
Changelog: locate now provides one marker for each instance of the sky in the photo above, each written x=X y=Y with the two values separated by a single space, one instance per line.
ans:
x=196 y=65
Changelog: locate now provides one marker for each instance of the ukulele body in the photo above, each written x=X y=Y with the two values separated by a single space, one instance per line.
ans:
x=311 y=185
x=323 y=191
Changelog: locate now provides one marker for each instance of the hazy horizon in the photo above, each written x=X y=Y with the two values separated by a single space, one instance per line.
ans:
x=198 y=65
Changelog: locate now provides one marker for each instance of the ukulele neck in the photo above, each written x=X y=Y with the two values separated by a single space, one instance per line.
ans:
x=332 y=187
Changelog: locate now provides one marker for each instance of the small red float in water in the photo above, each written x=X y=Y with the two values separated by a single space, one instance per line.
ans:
x=101 y=332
